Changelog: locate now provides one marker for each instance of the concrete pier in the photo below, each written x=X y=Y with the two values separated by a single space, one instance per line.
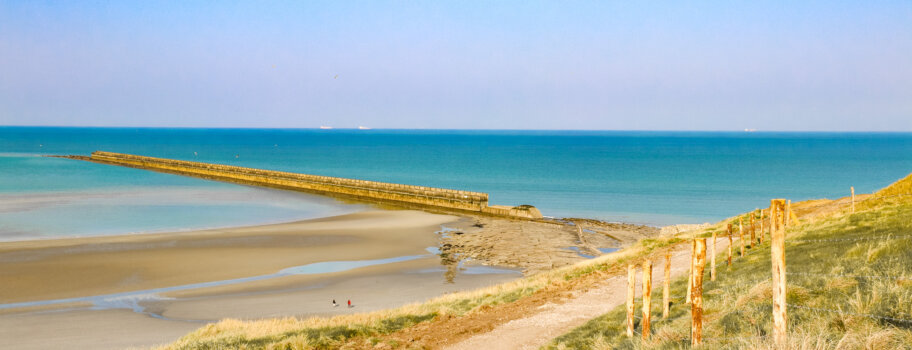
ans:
x=371 y=191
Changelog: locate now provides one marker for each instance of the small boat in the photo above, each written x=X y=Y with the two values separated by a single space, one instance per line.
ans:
x=324 y=127
x=363 y=128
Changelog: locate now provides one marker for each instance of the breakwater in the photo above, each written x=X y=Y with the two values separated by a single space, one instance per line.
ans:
x=371 y=191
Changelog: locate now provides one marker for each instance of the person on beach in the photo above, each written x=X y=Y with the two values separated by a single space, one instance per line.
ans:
x=334 y=303
x=349 y=303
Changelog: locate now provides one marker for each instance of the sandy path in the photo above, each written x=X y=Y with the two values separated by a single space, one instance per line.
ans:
x=557 y=319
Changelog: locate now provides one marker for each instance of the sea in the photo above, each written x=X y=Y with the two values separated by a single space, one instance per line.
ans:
x=655 y=178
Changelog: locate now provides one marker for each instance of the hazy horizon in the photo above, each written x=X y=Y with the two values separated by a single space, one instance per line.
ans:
x=715 y=66
x=346 y=128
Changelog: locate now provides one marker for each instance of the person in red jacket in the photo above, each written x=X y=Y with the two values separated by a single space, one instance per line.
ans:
x=349 y=303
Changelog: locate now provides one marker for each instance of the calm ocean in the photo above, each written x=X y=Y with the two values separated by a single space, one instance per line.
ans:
x=656 y=178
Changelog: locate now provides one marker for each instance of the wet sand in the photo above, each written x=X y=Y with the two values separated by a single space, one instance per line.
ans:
x=66 y=268
x=84 y=267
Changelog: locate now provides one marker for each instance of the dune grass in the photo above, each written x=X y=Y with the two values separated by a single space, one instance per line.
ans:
x=845 y=291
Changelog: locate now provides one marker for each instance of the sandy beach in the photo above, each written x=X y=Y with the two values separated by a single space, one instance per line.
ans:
x=66 y=268
x=94 y=270
x=153 y=288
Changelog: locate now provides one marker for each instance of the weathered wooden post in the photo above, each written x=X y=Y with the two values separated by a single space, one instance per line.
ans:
x=696 y=308
x=753 y=229
x=693 y=248
x=647 y=298
x=741 y=234
x=666 y=285
x=712 y=257
x=631 y=289
x=761 y=226
x=777 y=244
x=730 y=243
x=853 y=198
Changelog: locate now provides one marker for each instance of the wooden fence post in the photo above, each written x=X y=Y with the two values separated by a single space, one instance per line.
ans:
x=696 y=308
x=730 y=243
x=647 y=298
x=777 y=248
x=753 y=229
x=666 y=285
x=761 y=226
x=853 y=198
x=741 y=235
x=712 y=257
x=690 y=271
x=631 y=289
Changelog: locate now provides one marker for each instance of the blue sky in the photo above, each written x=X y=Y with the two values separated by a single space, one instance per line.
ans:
x=726 y=65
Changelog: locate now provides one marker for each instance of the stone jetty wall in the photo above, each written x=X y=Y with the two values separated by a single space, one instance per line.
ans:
x=358 y=189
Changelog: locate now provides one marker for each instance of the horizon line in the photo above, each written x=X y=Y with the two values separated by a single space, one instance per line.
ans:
x=358 y=128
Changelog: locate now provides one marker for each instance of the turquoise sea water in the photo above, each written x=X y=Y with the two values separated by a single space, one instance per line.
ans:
x=646 y=177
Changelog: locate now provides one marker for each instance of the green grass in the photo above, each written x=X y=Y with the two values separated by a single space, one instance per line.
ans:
x=738 y=305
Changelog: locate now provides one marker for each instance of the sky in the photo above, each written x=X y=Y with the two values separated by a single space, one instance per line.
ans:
x=582 y=65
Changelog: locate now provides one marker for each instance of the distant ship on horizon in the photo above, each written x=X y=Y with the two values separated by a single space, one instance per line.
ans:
x=363 y=128
x=324 y=127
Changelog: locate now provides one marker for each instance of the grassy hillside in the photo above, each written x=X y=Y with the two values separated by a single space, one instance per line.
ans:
x=901 y=187
x=849 y=287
